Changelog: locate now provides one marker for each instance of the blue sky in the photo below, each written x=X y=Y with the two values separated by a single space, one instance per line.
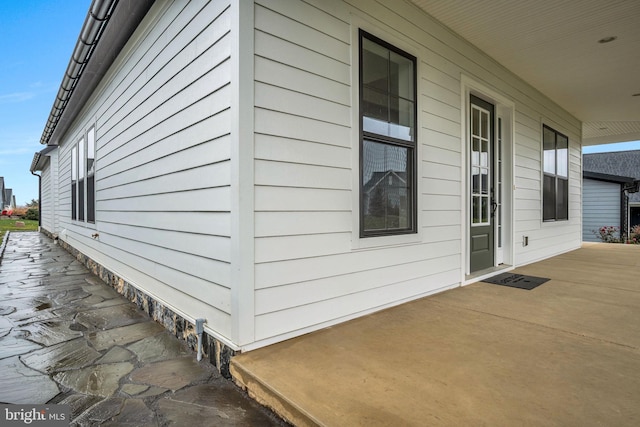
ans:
x=36 y=41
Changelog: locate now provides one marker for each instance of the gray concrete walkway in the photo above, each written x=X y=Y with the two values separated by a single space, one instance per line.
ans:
x=566 y=353
x=66 y=337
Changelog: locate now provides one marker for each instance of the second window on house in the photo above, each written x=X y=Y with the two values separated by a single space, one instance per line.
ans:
x=387 y=138
x=555 y=200
x=83 y=178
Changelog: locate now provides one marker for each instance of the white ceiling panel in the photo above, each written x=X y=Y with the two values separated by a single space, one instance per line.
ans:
x=553 y=45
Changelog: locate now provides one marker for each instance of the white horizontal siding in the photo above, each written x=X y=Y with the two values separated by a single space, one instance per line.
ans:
x=307 y=272
x=46 y=198
x=600 y=207
x=163 y=196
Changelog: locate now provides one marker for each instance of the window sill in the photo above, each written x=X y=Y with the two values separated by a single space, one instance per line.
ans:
x=361 y=243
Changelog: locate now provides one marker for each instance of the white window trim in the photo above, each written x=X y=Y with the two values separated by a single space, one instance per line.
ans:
x=401 y=42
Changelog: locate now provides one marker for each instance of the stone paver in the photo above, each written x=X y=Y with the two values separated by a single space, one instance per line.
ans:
x=68 y=338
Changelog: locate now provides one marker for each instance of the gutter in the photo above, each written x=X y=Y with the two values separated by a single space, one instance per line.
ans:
x=94 y=24
x=97 y=48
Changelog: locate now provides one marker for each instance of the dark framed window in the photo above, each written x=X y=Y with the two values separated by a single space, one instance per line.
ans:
x=74 y=182
x=388 y=113
x=83 y=155
x=91 y=171
x=81 y=174
x=555 y=191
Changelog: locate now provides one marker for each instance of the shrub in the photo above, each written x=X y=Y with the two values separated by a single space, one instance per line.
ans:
x=608 y=234
x=634 y=235
x=31 y=213
x=19 y=211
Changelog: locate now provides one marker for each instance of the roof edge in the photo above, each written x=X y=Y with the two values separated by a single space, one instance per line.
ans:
x=118 y=19
x=606 y=177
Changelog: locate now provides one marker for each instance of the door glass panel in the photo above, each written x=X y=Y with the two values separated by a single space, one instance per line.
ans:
x=475 y=209
x=480 y=166
x=485 y=209
x=475 y=121
x=485 y=181
x=475 y=180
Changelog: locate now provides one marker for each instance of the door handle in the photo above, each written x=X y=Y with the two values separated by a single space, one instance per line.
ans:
x=494 y=207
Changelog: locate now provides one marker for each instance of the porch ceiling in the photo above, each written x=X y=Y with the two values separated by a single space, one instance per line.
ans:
x=553 y=45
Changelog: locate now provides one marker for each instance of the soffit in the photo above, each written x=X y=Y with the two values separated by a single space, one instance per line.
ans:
x=553 y=45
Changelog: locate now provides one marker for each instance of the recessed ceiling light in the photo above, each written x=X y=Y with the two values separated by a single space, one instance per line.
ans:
x=607 y=39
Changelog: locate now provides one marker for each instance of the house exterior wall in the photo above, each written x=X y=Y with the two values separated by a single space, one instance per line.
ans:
x=311 y=268
x=227 y=165
x=601 y=207
x=163 y=163
x=46 y=201
x=49 y=213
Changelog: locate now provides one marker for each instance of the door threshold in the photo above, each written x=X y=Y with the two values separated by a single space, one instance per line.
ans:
x=480 y=275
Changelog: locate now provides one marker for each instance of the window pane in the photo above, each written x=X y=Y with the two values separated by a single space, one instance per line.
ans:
x=562 y=156
x=485 y=210
x=375 y=65
x=80 y=200
x=549 y=146
x=475 y=180
x=484 y=124
x=475 y=121
x=91 y=151
x=484 y=155
x=387 y=199
x=485 y=180
x=81 y=159
x=74 y=164
x=401 y=118
x=562 y=199
x=375 y=106
x=73 y=200
x=549 y=198
x=475 y=209
x=91 y=201
x=388 y=92
x=401 y=76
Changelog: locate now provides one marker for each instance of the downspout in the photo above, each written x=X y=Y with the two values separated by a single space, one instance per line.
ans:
x=623 y=213
x=93 y=27
x=39 y=198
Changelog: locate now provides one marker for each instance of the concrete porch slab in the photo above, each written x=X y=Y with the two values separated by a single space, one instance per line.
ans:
x=565 y=353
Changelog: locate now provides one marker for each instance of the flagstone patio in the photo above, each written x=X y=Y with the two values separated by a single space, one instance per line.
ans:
x=68 y=338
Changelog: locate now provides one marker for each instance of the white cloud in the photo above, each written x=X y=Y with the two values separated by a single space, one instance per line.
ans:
x=16 y=97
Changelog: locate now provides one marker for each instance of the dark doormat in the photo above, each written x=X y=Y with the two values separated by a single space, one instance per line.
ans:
x=519 y=281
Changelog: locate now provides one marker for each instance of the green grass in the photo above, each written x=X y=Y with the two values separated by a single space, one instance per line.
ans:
x=7 y=224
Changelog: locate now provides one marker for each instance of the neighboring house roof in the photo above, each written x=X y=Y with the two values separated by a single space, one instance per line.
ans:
x=620 y=163
x=606 y=177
